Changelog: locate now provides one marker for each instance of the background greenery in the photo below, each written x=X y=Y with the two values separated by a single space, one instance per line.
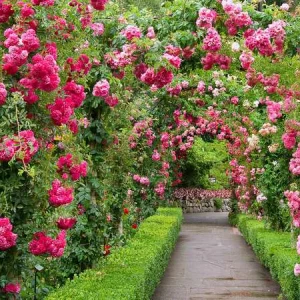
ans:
x=206 y=165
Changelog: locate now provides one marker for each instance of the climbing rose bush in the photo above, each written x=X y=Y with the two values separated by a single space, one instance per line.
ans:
x=7 y=237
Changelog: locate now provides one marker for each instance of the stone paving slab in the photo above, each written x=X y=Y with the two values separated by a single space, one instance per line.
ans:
x=212 y=261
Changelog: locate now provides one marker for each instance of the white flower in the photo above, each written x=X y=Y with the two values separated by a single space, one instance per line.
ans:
x=219 y=83
x=273 y=148
x=216 y=74
x=235 y=47
x=215 y=92
x=255 y=103
x=247 y=88
x=253 y=142
x=246 y=103
x=261 y=197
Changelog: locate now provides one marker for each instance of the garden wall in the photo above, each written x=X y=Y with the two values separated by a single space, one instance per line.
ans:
x=194 y=200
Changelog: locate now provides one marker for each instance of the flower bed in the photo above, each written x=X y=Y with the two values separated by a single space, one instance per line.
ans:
x=274 y=250
x=134 y=271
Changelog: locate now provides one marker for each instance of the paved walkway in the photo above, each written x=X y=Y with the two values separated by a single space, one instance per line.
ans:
x=212 y=261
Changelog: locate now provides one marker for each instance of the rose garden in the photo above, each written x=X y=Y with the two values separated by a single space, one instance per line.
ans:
x=117 y=115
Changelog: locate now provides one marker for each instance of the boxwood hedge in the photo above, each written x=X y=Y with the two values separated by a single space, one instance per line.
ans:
x=131 y=272
x=275 y=250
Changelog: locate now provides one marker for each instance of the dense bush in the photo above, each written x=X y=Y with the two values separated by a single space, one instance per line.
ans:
x=206 y=165
x=275 y=251
x=133 y=271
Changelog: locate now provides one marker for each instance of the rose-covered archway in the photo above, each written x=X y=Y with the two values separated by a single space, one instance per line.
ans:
x=100 y=109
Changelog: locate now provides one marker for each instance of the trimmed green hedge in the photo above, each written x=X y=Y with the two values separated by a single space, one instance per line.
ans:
x=274 y=249
x=131 y=272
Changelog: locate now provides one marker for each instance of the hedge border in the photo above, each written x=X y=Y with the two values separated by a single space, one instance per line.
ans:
x=134 y=271
x=275 y=250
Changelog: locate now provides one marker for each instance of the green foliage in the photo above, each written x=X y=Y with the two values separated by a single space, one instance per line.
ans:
x=154 y=5
x=275 y=251
x=207 y=159
x=218 y=203
x=134 y=271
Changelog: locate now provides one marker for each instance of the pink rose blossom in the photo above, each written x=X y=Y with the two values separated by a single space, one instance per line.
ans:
x=78 y=171
x=295 y=162
x=234 y=100
x=174 y=91
x=57 y=246
x=160 y=189
x=75 y=92
x=173 y=60
x=298 y=245
x=131 y=32
x=111 y=100
x=27 y=11
x=98 y=4
x=297 y=270
x=15 y=58
x=273 y=110
x=145 y=181
x=43 y=244
x=66 y=223
x=43 y=2
x=12 y=288
x=61 y=111
x=150 y=34
x=60 y=195
x=7 y=237
x=98 y=29
x=289 y=139
x=201 y=87
x=6 y=11
x=82 y=65
x=212 y=41
x=3 y=94
x=155 y=155
x=23 y=146
x=136 y=178
x=206 y=17
x=246 y=60
x=43 y=74
x=30 y=40
x=101 y=88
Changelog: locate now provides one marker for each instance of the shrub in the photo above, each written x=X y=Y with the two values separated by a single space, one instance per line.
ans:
x=218 y=203
x=131 y=272
x=206 y=160
x=274 y=250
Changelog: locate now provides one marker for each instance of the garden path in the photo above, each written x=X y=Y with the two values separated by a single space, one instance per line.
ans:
x=212 y=261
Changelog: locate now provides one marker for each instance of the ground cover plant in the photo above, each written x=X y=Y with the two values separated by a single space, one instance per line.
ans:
x=100 y=107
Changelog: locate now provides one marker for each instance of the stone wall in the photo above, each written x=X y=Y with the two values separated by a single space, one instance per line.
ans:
x=204 y=205
x=198 y=200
